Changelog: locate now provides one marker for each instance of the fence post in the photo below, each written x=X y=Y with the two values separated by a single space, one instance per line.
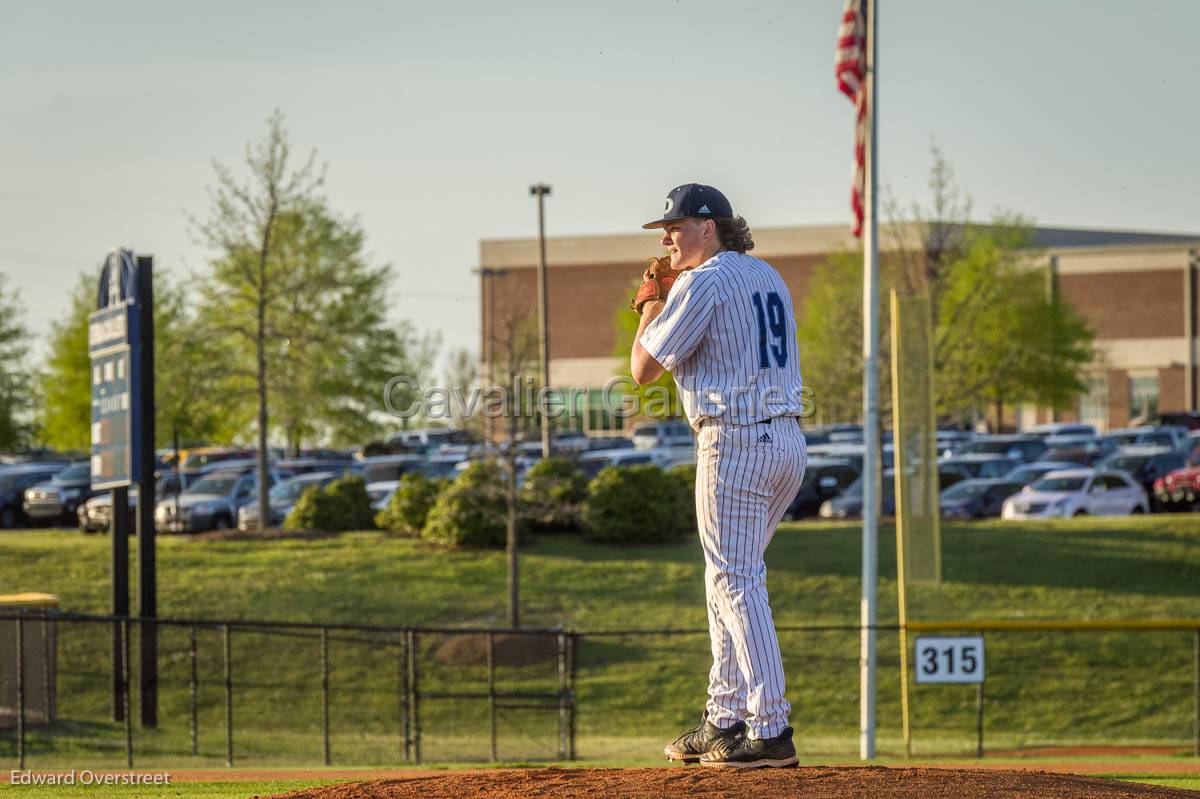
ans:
x=562 y=696
x=228 y=634
x=126 y=700
x=572 y=642
x=413 y=681
x=405 y=730
x=491 y=667
x=978 y=719
x=193 y=685
x=20 y=692
x=46 y=701
x=325 y=693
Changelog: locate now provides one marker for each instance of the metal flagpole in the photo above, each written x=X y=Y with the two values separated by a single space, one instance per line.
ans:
x=871 y=440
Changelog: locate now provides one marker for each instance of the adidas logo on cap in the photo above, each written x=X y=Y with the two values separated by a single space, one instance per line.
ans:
x=704 y=210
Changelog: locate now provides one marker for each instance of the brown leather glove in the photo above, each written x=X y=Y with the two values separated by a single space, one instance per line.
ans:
x=656 y=282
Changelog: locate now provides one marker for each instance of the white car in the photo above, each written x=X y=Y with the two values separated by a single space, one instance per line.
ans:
x=649 y=435
x=1078 y=492
x=381 y=493
x=593 y=462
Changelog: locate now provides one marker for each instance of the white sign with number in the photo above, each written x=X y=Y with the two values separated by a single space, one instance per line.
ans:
x=949 y=659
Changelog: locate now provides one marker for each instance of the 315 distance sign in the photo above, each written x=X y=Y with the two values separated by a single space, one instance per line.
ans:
x=946 y=659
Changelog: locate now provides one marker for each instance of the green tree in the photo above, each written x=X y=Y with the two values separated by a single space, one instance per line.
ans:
x=829 y=333
x=16 y=384
x=999 y=335
x=333 y=348
x=189 y=393
x=296 y=308
x=246 y=295
x=186 y=372
x=66 y=394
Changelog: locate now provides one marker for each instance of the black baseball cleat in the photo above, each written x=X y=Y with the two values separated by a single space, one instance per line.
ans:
x=747 y=752
x=700 y=739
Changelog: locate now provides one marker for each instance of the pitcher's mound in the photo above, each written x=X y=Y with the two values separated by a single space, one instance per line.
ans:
x=803 y=783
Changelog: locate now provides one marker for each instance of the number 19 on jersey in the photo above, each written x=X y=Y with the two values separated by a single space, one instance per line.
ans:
x=949 y=659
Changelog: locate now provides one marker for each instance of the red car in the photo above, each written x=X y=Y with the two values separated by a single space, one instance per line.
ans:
x=1179 y=490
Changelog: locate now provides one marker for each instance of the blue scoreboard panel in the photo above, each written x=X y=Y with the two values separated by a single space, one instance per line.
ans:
x=112 y=346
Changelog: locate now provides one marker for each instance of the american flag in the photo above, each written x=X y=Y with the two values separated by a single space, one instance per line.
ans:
x=850 y=67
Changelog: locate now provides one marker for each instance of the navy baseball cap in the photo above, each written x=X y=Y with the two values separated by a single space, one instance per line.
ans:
x=693 y=199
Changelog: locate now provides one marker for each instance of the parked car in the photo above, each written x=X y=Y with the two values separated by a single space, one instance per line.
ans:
x=95 y=513
x=593 y=462
x=381 y=493
x=13 y=482
x=848 y=504
x=1027 y=473
x=200 y=457
x=1022 y=448
x=1169 y=436
x=977 y=465
x=1078 y=492
x=823 y=480
x=1179 y=490
x=662 y=434
x=280 y=499
x=1080 y=455
x=390 y=467
x=978 y=498
x=58 y=499
x=1187 y=419
x=1145 y=465
x=1060 y=429
x=305 y=465
x=210 y=503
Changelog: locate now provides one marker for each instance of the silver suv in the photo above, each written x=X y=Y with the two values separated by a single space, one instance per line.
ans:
x=210 y=503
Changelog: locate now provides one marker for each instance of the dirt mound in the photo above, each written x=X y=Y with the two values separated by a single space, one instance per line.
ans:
x=804 y=783
x=508 y=649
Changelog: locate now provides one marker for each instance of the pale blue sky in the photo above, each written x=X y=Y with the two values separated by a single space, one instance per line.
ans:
x=435 y=118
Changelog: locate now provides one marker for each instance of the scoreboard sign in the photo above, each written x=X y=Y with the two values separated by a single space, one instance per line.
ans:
x=114 y=349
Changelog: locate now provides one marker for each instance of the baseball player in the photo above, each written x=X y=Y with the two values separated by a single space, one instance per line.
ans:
x=722 y=323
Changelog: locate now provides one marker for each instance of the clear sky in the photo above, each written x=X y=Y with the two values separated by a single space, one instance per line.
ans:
x=434 y=119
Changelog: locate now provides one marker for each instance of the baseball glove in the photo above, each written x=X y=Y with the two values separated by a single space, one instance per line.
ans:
x=656 y=282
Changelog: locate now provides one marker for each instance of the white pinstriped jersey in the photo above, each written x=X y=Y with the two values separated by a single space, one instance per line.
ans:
x=727 y=334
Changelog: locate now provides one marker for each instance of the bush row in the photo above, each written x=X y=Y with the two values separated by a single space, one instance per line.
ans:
x=625 y=506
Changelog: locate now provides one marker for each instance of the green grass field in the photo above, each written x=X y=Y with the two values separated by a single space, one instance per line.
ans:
x=1043 y=689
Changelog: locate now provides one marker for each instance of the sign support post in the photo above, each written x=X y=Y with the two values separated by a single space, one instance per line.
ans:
x=146 y=559
x=118 y=531
x=121 y=350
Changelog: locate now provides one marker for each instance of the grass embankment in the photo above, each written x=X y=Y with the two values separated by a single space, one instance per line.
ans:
x=1043 y=688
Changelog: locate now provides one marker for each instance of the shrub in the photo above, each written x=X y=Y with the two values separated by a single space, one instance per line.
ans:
x=552 y=495
x=683 y=480
x=472 y=511
x=410 y=504
x=635 y=505
x=341 y=505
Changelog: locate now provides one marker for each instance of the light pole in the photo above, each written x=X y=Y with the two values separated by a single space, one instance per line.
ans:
x=541 y=190
x=487 y=279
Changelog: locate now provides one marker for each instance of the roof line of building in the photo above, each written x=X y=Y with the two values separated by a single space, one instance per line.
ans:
x=794 y=240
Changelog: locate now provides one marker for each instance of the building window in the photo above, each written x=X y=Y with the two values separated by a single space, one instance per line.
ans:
x=1143 y=397
x=1093 y=403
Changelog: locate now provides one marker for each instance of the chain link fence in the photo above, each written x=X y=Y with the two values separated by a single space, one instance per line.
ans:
x=241 y=692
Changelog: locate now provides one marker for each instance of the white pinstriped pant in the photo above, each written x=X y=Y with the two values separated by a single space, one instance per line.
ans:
x=743 y=487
